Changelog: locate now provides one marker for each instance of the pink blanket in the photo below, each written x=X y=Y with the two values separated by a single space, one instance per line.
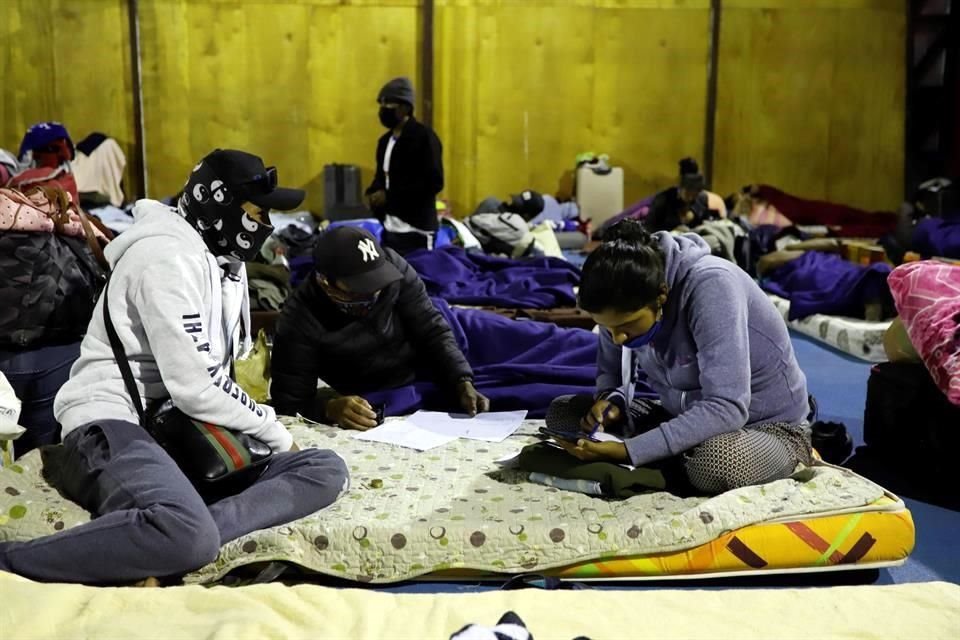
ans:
x=927 y=295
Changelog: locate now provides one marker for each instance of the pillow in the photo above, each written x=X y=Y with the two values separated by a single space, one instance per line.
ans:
x=927 y=296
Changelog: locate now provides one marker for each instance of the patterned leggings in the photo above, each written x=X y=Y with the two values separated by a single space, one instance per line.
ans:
x=748 y=456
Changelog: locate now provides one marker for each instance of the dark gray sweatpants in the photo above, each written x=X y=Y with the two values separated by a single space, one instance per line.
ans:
x=149 y=520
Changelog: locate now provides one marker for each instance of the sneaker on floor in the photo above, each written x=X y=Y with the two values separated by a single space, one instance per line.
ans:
x=832 y=441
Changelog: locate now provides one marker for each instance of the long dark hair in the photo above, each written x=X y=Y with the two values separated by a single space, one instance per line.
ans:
x=625 y=273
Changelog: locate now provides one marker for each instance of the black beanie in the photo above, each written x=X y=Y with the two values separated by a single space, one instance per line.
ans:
x=690 y=176
x=398 y=89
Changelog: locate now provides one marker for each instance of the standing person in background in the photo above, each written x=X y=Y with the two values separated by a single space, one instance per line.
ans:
x=409 y=175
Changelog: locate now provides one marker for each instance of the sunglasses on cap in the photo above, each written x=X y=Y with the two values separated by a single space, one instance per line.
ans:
x=266 y=181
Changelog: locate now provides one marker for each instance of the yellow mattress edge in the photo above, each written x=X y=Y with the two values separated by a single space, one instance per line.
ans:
x=879 y=534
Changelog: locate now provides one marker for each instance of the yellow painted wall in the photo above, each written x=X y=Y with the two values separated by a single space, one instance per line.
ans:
x=66 y=60
x=292 y=81
x=811 y=99
x=522 y=87
x=810 y=94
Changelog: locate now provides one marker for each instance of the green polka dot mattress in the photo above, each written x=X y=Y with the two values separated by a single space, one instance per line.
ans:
x=452 y=512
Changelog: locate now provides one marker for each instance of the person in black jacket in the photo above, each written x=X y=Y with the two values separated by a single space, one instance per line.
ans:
x=409 y=172
x=363 y=323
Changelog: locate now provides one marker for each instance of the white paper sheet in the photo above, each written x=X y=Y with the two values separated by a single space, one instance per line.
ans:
x=603 y=436
x=405 y=434
x=495 y=426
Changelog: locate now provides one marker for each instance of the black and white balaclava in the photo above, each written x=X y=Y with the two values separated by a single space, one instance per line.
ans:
x=215 y=211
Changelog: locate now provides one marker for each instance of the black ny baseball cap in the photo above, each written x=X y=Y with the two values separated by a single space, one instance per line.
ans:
x=352 y=256
x=246 y=175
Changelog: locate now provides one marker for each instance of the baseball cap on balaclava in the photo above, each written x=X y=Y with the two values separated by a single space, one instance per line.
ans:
x=212 y=202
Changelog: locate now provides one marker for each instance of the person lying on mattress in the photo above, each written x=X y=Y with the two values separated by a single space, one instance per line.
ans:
x=176 y=302
x=713 y=346
x=688 y=204
x=363 y=323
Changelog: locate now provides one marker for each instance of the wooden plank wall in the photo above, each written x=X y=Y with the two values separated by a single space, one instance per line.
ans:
x=810 y=92
x=66 y=60
x=811 y=99
x=522 y=87
x=293 y=81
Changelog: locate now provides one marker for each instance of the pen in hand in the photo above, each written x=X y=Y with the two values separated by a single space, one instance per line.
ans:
x=603 y=418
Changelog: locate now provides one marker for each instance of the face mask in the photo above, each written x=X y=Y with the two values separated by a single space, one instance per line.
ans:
x=216 y=213
x=356 y=306
x=645 y=339
x=358 y=309
x=389 y=117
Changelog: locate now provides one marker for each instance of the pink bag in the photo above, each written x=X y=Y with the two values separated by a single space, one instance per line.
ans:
x=58 y=177
x=40 y=210
x=927 y=295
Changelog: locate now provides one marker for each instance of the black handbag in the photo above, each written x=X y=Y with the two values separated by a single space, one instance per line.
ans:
x=211 y=456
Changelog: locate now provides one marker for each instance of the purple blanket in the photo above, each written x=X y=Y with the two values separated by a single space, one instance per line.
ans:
x=481 y=280
x=637 y=211
x=826 y=283
x=518 y=364
x=938 y=237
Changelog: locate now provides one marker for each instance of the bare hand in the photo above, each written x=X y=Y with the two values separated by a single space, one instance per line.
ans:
x=602 y=414
x=471 y=400
x=378 y=199
x=597 y=451
x=352 y=412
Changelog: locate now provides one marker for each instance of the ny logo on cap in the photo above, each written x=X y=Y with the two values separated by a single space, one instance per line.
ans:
x=368 y=249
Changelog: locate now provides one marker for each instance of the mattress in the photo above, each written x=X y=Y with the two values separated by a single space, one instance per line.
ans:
x=859 y=338
x=877 y=535
x=927 y=610
x=453 y=512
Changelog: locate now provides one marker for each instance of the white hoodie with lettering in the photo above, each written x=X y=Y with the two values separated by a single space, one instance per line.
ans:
x=178 y=311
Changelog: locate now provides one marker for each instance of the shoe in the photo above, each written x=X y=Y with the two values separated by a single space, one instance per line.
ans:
x=831 y=441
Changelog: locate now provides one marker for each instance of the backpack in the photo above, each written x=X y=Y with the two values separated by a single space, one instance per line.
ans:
x=909 y=422
x=505 y=234
x=51 y=281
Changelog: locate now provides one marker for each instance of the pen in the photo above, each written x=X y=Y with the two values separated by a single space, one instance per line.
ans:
x=603 y=418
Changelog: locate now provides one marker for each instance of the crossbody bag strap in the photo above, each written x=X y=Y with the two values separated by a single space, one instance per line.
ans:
x=120 y=355
x=92 y=242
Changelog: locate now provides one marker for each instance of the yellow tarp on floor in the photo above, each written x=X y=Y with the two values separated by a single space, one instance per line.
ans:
x=29 y=610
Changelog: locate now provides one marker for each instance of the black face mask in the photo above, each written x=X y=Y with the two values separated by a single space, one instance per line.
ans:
x=352 y=305
x=389 y=117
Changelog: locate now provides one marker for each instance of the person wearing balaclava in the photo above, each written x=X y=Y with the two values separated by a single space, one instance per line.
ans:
x=686 y=205
x=177 y=301
x=403 y=194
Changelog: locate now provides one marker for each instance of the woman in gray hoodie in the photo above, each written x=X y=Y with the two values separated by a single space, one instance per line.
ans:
x=733 y=400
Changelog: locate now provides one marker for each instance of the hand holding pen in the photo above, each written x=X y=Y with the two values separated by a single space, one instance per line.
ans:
x=602 y=414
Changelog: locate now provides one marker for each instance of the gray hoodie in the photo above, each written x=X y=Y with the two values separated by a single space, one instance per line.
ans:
x=722 y=359
x=178 y=311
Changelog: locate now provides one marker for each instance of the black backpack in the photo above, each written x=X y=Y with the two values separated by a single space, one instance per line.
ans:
x=50 y=285
x=909 y=421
